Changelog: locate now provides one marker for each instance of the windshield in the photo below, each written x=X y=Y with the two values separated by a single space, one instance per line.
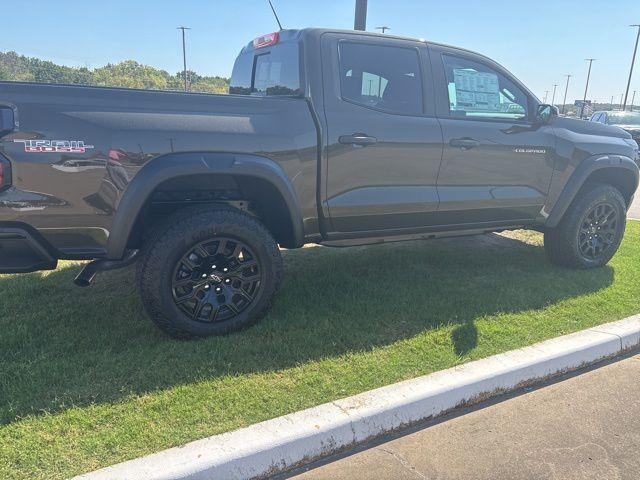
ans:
x=627 y=118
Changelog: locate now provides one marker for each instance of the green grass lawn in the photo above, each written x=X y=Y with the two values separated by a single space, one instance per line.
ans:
x=87 y=381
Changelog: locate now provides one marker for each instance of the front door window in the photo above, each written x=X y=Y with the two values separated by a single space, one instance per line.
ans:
x=477 y=91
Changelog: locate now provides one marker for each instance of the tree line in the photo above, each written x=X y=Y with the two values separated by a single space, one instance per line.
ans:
x=127 y=74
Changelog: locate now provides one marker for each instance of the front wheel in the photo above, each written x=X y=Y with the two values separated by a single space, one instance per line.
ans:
x=590 y=231
x=209 y=272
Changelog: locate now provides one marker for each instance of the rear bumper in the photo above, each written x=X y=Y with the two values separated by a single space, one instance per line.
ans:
x=22 y=250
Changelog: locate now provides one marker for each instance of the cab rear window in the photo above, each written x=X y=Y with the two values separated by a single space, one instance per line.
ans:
x=270 y=72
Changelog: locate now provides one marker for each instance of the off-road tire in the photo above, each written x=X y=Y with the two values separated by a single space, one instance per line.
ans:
x=188 y=229
x=563 y=243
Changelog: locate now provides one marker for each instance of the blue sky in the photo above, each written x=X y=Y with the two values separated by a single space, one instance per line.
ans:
x=538 y=40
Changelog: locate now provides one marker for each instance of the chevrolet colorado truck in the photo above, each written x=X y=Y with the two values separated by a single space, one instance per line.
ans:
x=329 y=137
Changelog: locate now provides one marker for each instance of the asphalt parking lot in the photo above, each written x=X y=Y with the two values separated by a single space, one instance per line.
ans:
x=584 y=427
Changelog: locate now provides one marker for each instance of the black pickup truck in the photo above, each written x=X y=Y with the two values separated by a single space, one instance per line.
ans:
x=329 y=137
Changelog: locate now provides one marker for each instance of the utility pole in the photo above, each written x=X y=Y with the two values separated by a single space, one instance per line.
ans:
x=611 y=105
x=360 y=22
x=633 y=99
x=633 y=60
x=621 y=98
x=184 y=56
x=546 y=94
x=566 y=89
x=553 y=97
x=383 y=28
x=584 y=100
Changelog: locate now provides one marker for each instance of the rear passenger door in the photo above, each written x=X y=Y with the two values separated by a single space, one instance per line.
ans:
x=384 y=144
x=498 y=160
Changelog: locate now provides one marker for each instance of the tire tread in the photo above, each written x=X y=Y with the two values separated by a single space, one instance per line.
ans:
x=172 y=232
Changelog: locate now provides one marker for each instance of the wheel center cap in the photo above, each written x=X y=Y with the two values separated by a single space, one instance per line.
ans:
x=215 y=278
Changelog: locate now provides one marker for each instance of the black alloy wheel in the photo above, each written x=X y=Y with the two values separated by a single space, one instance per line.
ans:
x=216 y=280
x=598 y=231
x=591 y=229
x=208 y=271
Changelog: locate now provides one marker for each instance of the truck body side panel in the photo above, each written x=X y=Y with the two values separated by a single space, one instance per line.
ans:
x=70 y=189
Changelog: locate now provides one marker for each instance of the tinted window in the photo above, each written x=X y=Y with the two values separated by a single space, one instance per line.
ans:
x=478 y=91
x=624 y=118
x=273 y=72
x=381 y=77
x=242 y=75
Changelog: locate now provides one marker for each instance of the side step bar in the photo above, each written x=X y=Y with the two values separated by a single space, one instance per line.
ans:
x=91 y=269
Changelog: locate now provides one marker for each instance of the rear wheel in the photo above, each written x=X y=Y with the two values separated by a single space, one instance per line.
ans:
x=591 y=230
x=209 y=272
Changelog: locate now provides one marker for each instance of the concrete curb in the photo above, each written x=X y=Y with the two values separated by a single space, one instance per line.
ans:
x=279 y=444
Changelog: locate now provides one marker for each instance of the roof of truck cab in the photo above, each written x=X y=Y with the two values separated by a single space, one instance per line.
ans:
x=295 y=35
x=291 y=35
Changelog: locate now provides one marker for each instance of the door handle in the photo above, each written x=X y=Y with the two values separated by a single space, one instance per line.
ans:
x=361 y=139
x=464 y=143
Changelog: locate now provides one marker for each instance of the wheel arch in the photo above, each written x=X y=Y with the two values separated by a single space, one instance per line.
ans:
x=616 y=170
x=253 y=175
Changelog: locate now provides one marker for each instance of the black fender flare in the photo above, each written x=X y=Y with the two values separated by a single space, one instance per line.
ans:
x=175 y=165
x=579 y=177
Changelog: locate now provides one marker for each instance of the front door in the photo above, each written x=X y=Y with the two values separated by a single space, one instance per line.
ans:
x=384 y=144
x=497 y=161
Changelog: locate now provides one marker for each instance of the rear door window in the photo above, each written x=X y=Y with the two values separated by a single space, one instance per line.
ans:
x=381 y=77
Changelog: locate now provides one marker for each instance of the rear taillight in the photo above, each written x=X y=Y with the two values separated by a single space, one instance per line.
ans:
x=266 y=40
x=5 y=173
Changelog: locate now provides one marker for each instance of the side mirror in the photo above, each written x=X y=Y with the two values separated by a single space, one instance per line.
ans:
x=546 y=113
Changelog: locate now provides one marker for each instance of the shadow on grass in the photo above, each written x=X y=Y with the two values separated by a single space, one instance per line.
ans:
x=62 y=346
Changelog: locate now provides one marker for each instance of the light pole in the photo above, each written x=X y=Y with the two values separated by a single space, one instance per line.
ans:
x=633 y=60
x=586 y=87
x=184 y=56
x=621 y=98
x=566 y=89
x=360 y=21
x=383 y=28
x=633 y=99
x=553 y=97
x=611 y=105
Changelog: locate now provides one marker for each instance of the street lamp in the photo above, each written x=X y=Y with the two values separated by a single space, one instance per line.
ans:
x=553 y=97
x=184 y=56
x=360 y=21
x=566 y=89
x=584 y=100
x=633 y=60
